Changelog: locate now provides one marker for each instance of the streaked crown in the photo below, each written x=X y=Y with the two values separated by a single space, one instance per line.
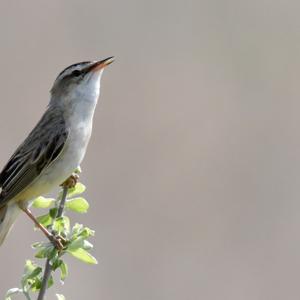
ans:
x=74 y=69
x=80 y=74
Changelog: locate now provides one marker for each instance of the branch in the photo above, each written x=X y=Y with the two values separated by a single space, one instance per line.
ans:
x=73 y=240
x=47 y=271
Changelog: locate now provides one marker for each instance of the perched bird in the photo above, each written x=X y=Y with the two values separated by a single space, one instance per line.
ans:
x=57 y=144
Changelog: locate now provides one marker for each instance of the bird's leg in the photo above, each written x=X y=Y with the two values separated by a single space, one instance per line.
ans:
x=57 y=241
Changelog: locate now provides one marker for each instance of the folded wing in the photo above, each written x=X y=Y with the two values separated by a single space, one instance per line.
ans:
x=36 y=153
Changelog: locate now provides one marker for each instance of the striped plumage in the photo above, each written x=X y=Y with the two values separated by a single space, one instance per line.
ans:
x=56 y=145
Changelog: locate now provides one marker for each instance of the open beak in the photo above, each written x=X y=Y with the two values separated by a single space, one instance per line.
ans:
x=98 y=65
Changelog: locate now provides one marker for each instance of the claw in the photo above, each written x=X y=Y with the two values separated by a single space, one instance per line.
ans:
x=71 y=181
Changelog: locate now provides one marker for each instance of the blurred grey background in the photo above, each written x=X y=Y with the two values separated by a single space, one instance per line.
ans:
x=193 y=169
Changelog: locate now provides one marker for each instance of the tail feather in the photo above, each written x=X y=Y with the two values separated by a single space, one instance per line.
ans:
x=8 y=215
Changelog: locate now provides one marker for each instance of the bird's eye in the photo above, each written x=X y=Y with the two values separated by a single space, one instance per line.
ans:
x=76 y=73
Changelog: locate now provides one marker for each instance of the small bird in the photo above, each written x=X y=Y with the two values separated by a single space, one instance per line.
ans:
x=56 y=146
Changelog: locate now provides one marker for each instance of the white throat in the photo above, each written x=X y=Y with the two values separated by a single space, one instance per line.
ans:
x=79 y=103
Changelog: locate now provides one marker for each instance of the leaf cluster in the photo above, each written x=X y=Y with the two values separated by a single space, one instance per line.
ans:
x=75 y=239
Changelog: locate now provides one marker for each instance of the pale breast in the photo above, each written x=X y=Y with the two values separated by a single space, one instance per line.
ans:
x=71 y=156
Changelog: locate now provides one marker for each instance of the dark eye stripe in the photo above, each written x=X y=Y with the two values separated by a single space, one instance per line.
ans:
x=73 y=66
x=76 y=73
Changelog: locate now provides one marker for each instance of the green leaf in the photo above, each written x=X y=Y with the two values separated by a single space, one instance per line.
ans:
x=29 y=267
x=42 y=202
x=44 y=250
x=83 y=255
x=76 y=243
x=78 y=189
x=37 y=245
x=60 y=297
x=53 y=212
x=30 y=279
x=53 y=255
x=80 y=242
x=79 y=205
x=77 y=228
x=45 y=220
x=12 y=292
x=36 y=285
x=87 y=232
x=56 y=264
x=63 y=271
x=42 y=253
x=78 y=231
x=50 y=282
x=62 y=225
x=34 y=273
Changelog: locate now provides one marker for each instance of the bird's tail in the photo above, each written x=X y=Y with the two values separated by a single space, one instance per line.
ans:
x=8 y=215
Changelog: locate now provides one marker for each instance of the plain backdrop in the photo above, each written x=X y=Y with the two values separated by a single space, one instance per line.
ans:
x=193 y=169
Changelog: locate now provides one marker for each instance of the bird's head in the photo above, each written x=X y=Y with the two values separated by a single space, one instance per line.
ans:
x=80 y=80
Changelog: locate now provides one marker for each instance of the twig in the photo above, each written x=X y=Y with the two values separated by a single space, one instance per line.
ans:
x=62 y=202
x=47 y=272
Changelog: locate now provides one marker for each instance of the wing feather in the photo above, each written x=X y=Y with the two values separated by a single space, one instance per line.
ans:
x=36 y=153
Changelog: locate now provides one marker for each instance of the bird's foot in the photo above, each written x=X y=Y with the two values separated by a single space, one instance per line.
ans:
x=71 y=181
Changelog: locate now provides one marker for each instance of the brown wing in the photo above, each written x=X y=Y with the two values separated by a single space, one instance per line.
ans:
x=36 y=153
